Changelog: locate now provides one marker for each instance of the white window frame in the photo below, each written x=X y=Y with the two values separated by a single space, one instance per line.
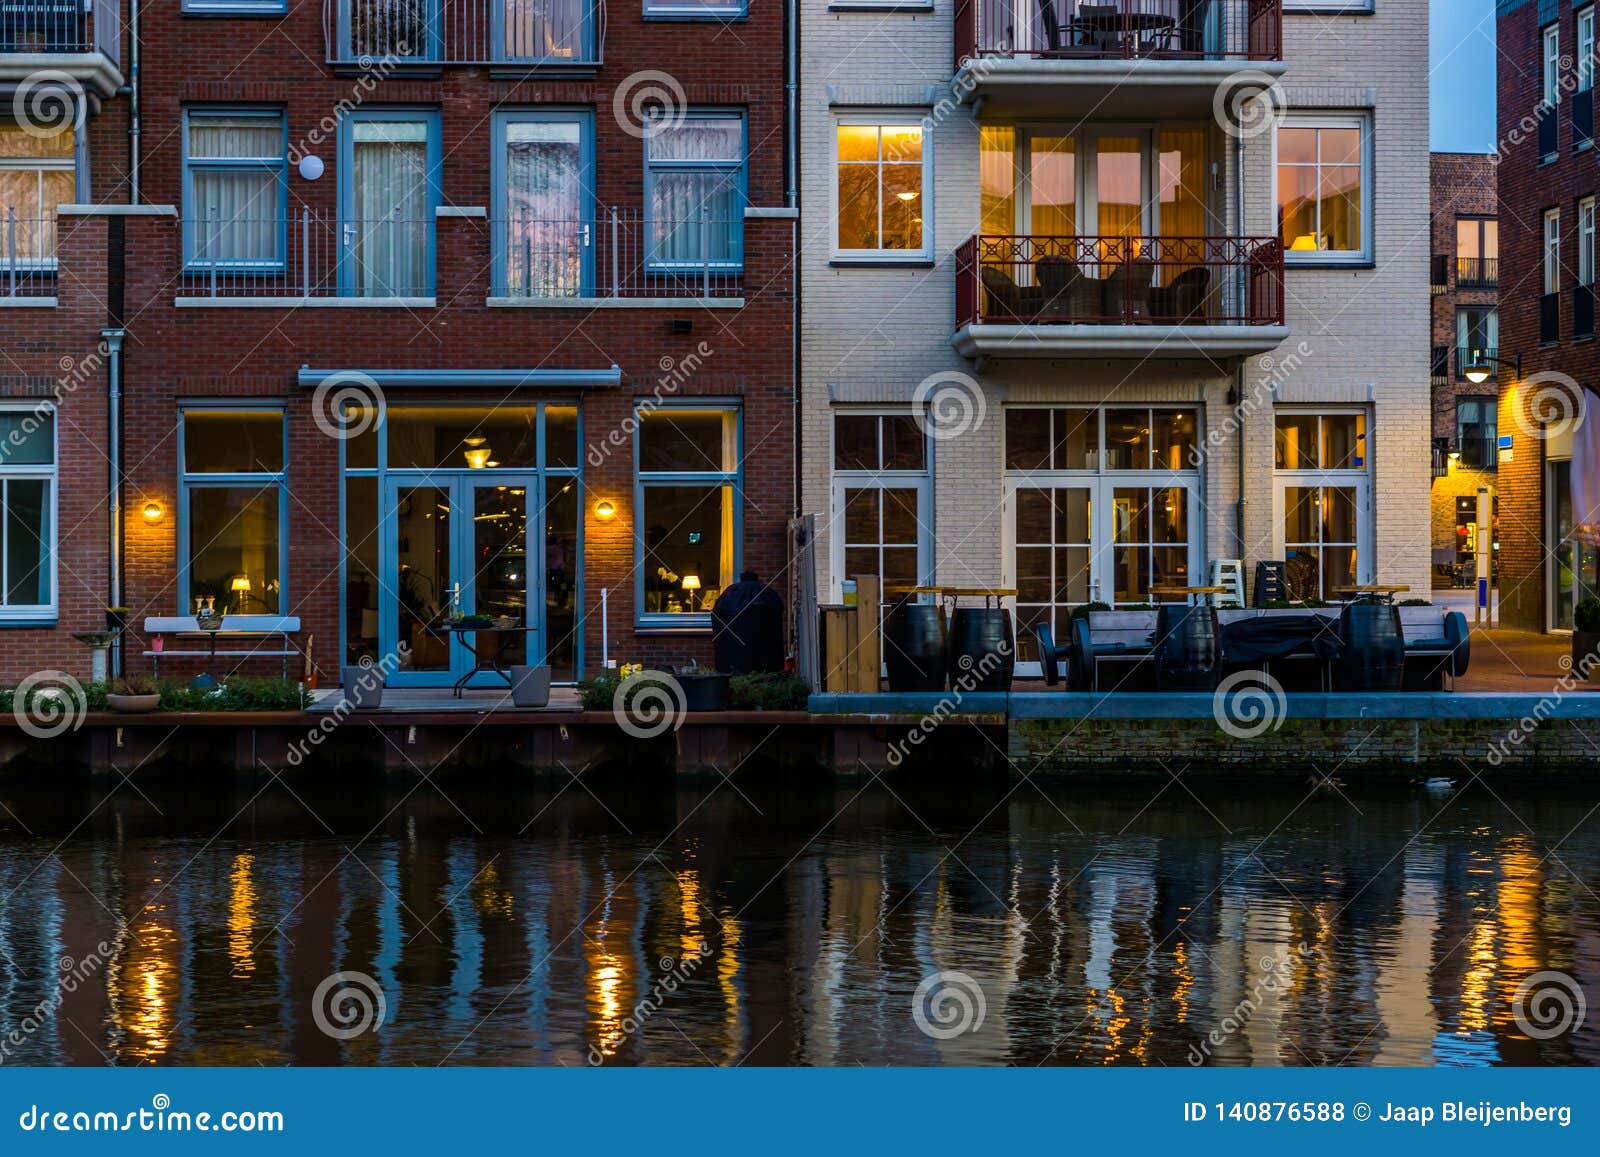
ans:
x=1363 y=123
x=842 y=480
x=1552 y=251
x=1586 y=241
x=38 y=166
x=1358 y=478
x=890 y=119
x=1585 y=37
x=26 y=614
x=1328 y=7
x=1550 y=64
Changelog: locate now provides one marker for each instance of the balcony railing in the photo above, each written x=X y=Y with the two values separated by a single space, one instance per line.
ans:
x=27 y=255
x=622 y=253
x=1477 y=272
x=1120 y=29
x=1190 y=281
x=1441 y=365
x=1478 y=452
x=62 y=26
x=381 y=35
x=1467 y=355
x=312 y=255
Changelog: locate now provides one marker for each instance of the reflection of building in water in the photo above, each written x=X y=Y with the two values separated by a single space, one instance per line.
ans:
x=1405 y=964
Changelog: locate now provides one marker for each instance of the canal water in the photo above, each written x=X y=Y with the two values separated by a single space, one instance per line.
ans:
x=936 y=923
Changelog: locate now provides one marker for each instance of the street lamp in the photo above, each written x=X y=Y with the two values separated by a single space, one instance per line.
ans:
x=1480 y=368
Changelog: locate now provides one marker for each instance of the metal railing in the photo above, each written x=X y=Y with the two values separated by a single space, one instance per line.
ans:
x=1477 y=272
x=62 y=26
x=618 y=253
x=1121 y=29
x=1120 y=280
x=27 y=255
x=309 y=255
x=1467 y=355
x=372 y=33
x=1479 y=452
x=1441 y=365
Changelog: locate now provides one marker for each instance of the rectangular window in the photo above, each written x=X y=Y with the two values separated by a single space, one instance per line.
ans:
x=389 y=188
x=232 y=503
x=37 y=173
x=27 y=513
x=236 y=7
x=1477 y=335
x=1325 y=189
x=1476 y=432
x=235 y=188
x=1552 y=65
x=881 y=189
x=695 y=191
x=694 y=9
x=1552 y=251
x=1586 y=241
x=1322 y=503
x=1586 y=49
x=1477 y=251
x=881 y=500
x=687 y=529
x=544 y=193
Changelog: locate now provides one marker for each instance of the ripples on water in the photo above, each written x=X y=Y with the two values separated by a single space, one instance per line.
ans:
x=1235 y=926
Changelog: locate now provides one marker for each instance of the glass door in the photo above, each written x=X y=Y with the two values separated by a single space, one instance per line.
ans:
x=422 y=580
x=550 y=231
x=386 y=235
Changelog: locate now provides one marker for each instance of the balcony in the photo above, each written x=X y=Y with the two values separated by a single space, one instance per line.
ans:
x=1118 y=296
x=27 y=259
x=1441 y=365
x=1477 y=272
x=517 y=37
x=1120 y=58
x=79 y=39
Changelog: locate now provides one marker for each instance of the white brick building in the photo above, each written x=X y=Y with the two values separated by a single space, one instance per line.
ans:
x=1118 y=361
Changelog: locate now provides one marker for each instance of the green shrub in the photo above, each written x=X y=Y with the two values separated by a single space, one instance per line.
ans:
x=772 y=691
x=1586 y=615
x=238 y=693
x=1416 y=603
x=598 y=693
x=1083 y=609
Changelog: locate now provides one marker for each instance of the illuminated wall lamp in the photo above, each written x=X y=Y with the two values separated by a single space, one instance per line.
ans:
x=605 y=509
x=153 y=513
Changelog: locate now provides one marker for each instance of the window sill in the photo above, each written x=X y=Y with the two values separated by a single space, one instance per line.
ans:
x=27 y=302
x=1331 y=263
x=726 y=16
x=699 y=625
x=614 y=303
x=305 y=302
x=888 y=8
x=885 y=262
x=9 y=622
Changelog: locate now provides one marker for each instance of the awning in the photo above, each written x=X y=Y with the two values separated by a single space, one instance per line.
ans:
x=470 y=379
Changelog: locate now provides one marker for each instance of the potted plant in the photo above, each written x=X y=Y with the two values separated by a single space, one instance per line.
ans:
x=363 y=685
x=530 y=686
x=134 y=696
x=116 y=618
x=1586 y=637
x=704 y=689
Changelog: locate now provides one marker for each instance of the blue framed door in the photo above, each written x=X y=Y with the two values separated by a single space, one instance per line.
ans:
x=388 y=198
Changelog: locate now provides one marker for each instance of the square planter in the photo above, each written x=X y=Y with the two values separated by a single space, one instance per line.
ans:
x=704 y=692
x=363 y=687
x=530 y=686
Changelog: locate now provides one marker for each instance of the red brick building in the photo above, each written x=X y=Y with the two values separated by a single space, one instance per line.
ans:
x=486 y=308
x=1547 y=183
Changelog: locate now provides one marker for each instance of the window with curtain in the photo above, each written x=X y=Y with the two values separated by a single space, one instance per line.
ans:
x=391 y=207
x=1477 y=431
x=695 y=191
x=547 y=215
x=27 y=513
x=881 y=188
x=1477 y=250
x=547 y=30
x=687 y=490
x=37 y=173
x=1477 y=332
x=997 y=179
x=232 y=502
x=234 y=188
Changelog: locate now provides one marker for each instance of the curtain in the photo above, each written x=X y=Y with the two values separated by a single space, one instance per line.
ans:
x=1585 y=473
x=997 y=146
x=545 y=208
x=545 y=29
x=1053 y=180
x=696 y=166
x=234 y=214
x=390 y=208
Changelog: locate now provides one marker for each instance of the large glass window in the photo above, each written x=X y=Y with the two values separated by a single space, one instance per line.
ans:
x=883 y=201
x=1324 y=189
x=688 y=511
x=233 y=502
x=27 y=513
x=881 y=500
x=37 y=173
x=234 y=187
x=695 y=192
x=389 y=190
x=545 y=204
x=1323 y=503
x=1477 y=334
x=1477 y=251
x=1477 y=432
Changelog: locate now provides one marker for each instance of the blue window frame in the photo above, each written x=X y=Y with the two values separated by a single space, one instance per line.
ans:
x=543 y=203
x=28 y=513
x=235 y=188
x=233 y=507
x=688 y=504
x=235 y=7
x=695 y=191
x=388 y=196
x=694 y=9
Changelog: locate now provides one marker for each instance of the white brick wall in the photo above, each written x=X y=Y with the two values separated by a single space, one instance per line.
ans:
x=873 y=334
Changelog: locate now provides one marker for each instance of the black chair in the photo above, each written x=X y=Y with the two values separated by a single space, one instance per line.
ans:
x=1051 y=657
x=1272 y=583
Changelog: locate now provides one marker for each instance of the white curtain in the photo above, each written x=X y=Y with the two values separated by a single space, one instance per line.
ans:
x=545 y=29
x=696 y=166
x=390 y=209
x=234 y=175
x=545 y=209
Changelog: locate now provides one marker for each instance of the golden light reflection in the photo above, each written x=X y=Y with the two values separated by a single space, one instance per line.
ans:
x=242 y=900
x=689 y=912
x=1185 y=980
x=489 y=896
x=147 y=979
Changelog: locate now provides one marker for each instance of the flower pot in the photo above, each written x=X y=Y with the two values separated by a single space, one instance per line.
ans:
x=704 y=692
x=133 y=704
x=530 y=686
x=1585 y=654
x=363 y=687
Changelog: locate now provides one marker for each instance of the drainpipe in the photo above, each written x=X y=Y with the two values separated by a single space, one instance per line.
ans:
x=1238 y=372
x=791 y=100
x=113 y=339
x=133 y=104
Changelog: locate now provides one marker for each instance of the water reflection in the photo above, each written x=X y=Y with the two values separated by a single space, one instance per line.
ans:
x=1248 y=932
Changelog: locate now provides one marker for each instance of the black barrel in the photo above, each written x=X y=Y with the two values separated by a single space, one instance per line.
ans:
x=1373 y=652
x=1186 y=648
x=914 y=647
x=983 y=653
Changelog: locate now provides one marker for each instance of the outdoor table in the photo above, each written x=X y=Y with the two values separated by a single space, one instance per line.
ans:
x=1201 y=593
x=467 y=632
x=1130 y=23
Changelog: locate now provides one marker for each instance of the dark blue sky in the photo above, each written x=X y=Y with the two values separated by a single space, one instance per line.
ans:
x=1461 y=63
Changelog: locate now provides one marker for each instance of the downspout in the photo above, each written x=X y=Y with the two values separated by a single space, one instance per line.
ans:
x=791 y=162
x=1238 y=371
x=113 y=339
x=133 y=102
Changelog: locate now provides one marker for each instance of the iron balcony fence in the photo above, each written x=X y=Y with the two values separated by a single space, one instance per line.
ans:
x=27 y=255
x=623 y=253
x=1477 y=272
x=62 y=26
x=1120 y=280
x=1125 y=29
x=375 y=34
x=308 y=255
x=1479 y=452
x=1471 y=355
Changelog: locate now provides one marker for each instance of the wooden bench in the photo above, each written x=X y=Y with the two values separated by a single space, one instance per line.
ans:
x=274 y=632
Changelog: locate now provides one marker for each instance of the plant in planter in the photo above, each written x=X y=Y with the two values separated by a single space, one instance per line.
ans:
x=134 y=696
x=704 y=688
x=1586 y=638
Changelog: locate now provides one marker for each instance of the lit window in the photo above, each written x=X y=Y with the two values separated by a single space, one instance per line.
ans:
x=687 y=531
x=232 y=511
x=37 y=173
x=1324 y=190
x=881 y=190
x=27 y=513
